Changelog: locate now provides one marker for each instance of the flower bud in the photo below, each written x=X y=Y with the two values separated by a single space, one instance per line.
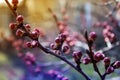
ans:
x=27 y=27
x=99 y=56
x=37 y=70
x=12 y=26
x=86 y=60
x=19 y=18
x=77 y=55
x=28 y=63
x=28 y=44
x=30 y=57
x=116 y=65
x=104 y=24
x=19 y=33
x=93 y=36
x=65 y=78
x=34 y=43
x=37 y=30
x=54 y=46
x=107 y=61
x=109 y=70
x=61 y=28
x=66 y=49
x=59 y=77
x=53 y=73
x=34 y=34
x=63 y=36
x=58 y=40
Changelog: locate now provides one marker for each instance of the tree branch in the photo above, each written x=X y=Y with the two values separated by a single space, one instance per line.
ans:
x=48 y=50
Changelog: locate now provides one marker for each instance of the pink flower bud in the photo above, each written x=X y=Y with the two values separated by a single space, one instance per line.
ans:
x=63 y=36
x=34 y=43
x=27 y=27
x=107 y=61
x=12 y=26
x=28 y=44
x=54 y=46
x=65 y=78
x=19 y=18
x=58 y=40
x=19 y=33
x=109 y=70
x=34 y=34
x=37 y=30
x=116 y=65
x=77 y=55
x=93 y=35
x=99 y=56
x=86 y=60
x=66 y=49
x=37 y=70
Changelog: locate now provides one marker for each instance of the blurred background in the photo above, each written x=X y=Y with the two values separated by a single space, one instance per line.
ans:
x=80 y=15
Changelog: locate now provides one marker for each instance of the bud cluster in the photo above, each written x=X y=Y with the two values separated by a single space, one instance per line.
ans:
x=58 y=44
x=56 y=75
x=112 y=67
x=77 y=55
x=98 y=56
x=108 y=33
x=23 y=30
x=30 y=61
x=15 y=43
x=108 y=29
x=28 y=58
x=32 y=44
x=18 y=44
x=63 y=27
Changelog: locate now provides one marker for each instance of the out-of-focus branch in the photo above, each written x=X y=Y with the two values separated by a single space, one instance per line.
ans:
x=106 y=49
x=103 y=4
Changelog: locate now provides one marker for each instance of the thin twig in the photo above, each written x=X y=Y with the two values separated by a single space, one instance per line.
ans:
x=91 y=56
x=9 y=5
